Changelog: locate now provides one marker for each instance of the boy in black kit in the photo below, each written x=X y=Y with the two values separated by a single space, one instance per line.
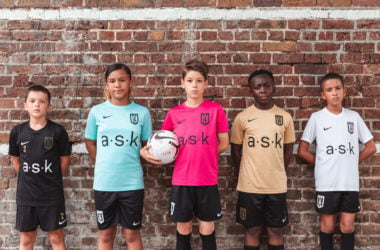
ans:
x=40 y=152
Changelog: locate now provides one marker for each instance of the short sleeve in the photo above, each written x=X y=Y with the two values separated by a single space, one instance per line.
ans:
x=309 y=134
x=289 y=135
x=13 y=147
x=363 y=132
x=237 y=135
x=146 y=130
x=91 y=131
x=64 y=143
x=168 y=122
x=222 y=121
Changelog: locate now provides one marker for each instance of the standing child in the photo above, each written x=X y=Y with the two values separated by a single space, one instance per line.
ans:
x=262 y=144
x=202 y=130
x=40 y=152
x=337 y=132
x=115 y=131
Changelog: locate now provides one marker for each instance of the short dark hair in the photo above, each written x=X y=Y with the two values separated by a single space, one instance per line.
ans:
x=117 y=66
x=38 y=88
x=328 y=77
x=260 y=72
x=195 y=65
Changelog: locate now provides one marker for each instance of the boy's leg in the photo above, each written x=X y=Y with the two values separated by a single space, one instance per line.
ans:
x=275 y=238
x=347 y=229
x=207 y=231
x=184 y=230
x=327 y=226
x=56 y=239
x=252 y=236
x=276 y=217
x=27 y=240
x=106 y=238
x=133 y=239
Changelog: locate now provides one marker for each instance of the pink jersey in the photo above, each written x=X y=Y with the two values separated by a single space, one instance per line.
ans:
x=197 y=131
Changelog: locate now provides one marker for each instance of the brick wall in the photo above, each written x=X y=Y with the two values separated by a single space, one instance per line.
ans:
x=68 y=54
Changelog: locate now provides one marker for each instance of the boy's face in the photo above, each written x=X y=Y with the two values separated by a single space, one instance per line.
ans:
x=37 y=104
x=262 y=88
x=194 y=84
x=333 y=92
x=119 y=85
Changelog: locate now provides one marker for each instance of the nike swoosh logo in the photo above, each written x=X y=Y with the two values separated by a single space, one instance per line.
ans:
x=326 y=128
x=219 y=214
x=136 y=223
x=24 y=142
x=61 y=222
x=158 y=137
x=106 y=116
x=179 y=122
x=250 y=120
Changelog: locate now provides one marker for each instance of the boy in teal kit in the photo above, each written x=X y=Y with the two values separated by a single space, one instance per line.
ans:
x=337 y=132
x=116 y=129
x=202 y=130
x=40 y=152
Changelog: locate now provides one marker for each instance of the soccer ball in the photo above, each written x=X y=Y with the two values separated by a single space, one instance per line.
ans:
x=164 y=145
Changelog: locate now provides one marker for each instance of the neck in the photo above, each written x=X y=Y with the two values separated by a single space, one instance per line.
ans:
x=193 y=102
x=335 y=109
x=264 y=106
x=122 y=102
x=37 y=124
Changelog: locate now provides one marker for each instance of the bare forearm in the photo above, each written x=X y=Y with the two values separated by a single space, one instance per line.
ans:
x=370 y=149
x=91 y=148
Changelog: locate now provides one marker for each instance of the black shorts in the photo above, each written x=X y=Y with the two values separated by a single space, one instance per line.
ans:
x=200 y=201
x=334 y=202
x=123 y=208
x=262 y=209
x=49 y=218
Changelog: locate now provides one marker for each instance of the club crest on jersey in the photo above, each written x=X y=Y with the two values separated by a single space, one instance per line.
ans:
x=100 y=216
x=243 y=213
x=320 y=201
x=279 y=119
x=205 y=118
x=350 y=127
x=134 y=118
x=48 y=142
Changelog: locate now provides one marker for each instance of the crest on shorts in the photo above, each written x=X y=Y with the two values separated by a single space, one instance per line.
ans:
x=350 y=127
x=48 y=142
x=172 y=205
x=320 y=201
x=205 y=118
x=243 y=213
x=279 y=119
x=100 y=216
x=134 y=118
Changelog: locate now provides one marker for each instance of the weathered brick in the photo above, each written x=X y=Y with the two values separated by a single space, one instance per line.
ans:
x=283 y=46
x=234 y=3
x=33 y=3
x=298 y=3
x=334 y=3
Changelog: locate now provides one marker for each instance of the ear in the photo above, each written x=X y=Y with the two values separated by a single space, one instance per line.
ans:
x=344 y=92
x=323 y=95
x=206 y=83
x=182 y=83
x=25 y=105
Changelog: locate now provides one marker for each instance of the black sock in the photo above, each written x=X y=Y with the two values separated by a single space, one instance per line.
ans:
x=208 y=241
x=347 y=241
x=326 y=241
x=279 y=247
x=251 y=248
x=183 y=241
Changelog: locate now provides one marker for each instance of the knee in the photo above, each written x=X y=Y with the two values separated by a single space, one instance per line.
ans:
x=107 y=235
x=184 y=228
x=56 y=238
x=253 y=231
x=346 y=228
x=206 y=228
x=131 y=236
x=274 y=232
x=27 y=239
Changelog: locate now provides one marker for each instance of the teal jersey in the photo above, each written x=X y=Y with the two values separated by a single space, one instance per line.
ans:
x=118 y=131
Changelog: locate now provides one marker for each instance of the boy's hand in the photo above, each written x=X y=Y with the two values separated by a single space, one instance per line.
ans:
x=144 y=153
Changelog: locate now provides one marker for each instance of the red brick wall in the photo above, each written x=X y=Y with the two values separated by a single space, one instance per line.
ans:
x=69 y=57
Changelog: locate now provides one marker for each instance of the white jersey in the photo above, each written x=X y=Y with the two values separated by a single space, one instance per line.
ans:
x=337 y=148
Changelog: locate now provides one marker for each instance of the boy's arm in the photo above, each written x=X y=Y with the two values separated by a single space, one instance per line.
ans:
x=288 y=153
x=304 y=153
x=16 y=162
x=369 y=149
x=65 y=163
x=236 y=153
x=223 y=142
x=91 y=148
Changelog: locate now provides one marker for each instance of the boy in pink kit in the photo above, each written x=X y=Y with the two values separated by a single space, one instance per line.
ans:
x=202 y=130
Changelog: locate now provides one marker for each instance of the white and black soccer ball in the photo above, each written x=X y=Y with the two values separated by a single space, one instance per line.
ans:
x=164 y=145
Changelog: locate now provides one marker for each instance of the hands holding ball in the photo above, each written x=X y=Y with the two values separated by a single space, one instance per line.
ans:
x=162 y=148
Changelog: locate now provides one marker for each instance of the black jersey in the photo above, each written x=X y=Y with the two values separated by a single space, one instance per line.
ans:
x=39 y=179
